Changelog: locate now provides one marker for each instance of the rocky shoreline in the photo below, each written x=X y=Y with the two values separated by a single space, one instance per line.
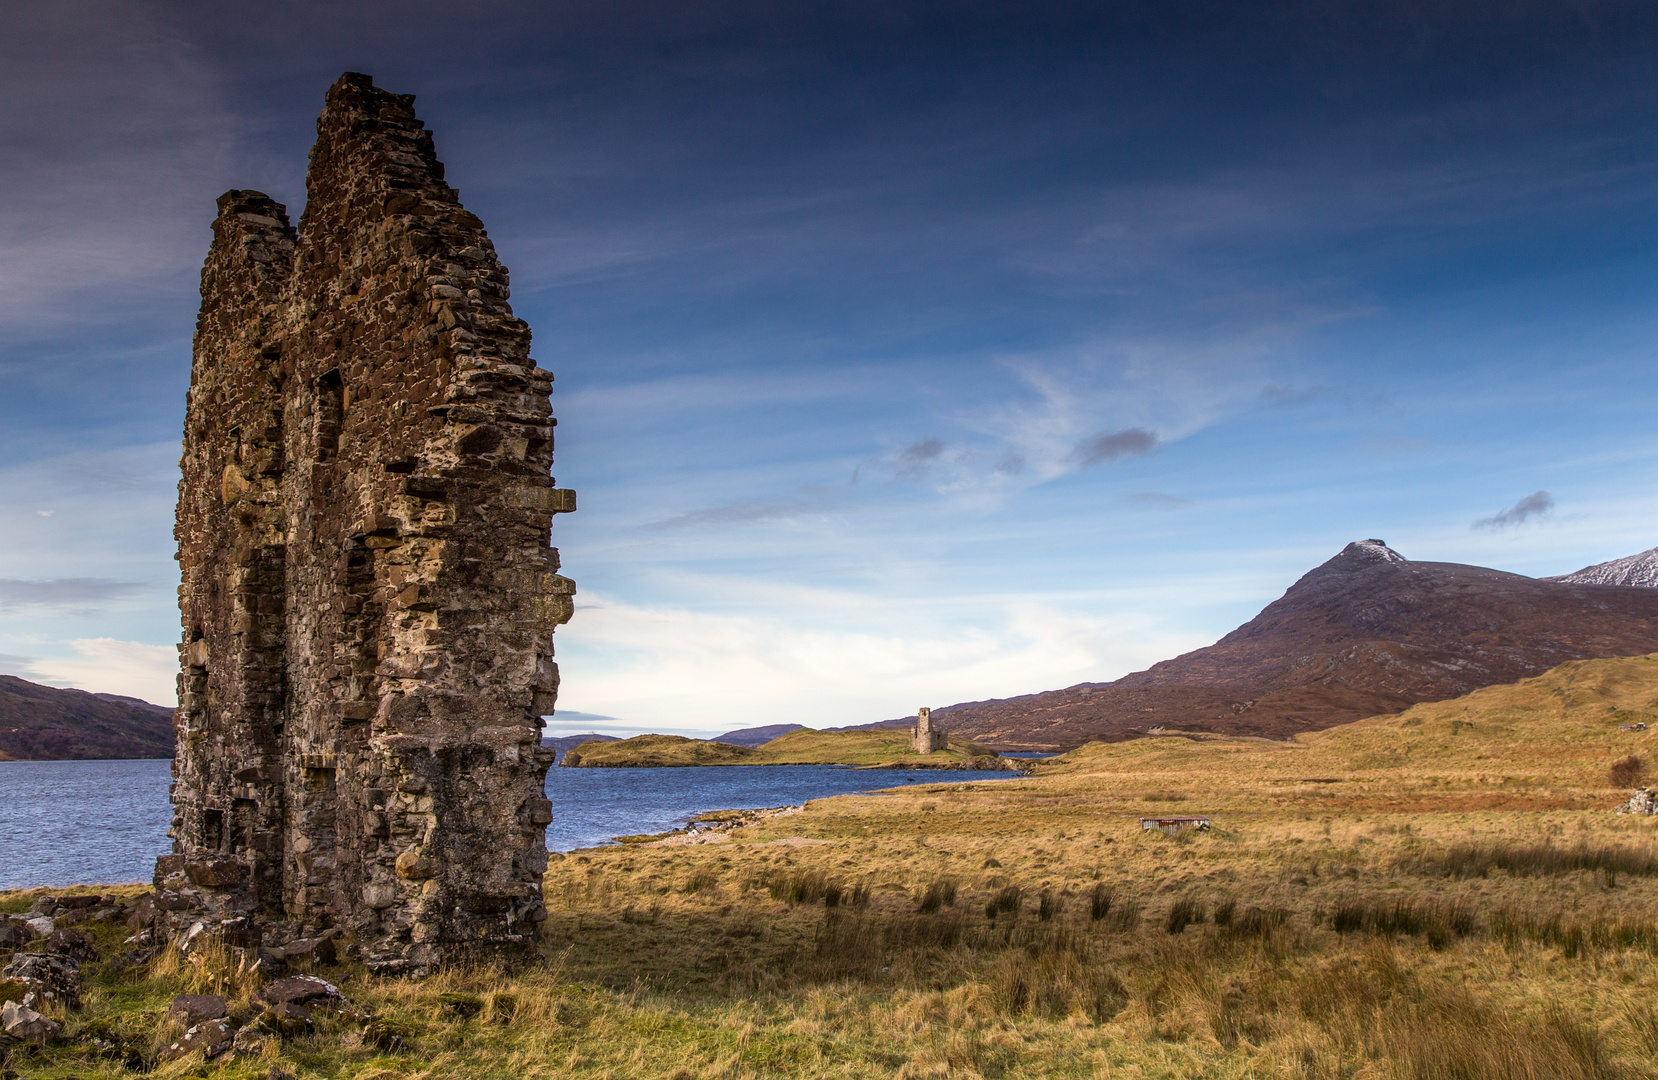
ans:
x=713 y=827
x=982 y=763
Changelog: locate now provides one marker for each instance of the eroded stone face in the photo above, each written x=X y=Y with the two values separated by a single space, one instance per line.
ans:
x=368 y=593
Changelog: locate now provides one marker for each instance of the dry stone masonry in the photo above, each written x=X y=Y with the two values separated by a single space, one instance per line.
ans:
x=369 y=594
x=924 y=737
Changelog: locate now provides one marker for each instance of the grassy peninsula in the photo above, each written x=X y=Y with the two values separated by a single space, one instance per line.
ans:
x=871 y=749
x=1442 y=893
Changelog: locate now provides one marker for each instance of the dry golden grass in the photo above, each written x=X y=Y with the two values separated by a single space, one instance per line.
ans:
x=1444 y=893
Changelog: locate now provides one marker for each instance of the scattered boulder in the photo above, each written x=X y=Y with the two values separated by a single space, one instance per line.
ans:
x=271 y=963
x=188 y=1010
x=288 y=1021
x=131 y=959
x=211 y=1038
x=1642 y=802
x=143 y=913
x=240 y=932
x=24 y=1024
x=71 y=943
x=106 y=1039
x=249 y=1042
x=14 y=934
x=464 y=1006
x=316 y=950
x=74 y=909
x=40 y=924
x=299 y=990
x=54 y=979
x=81 y=903
x=383 y=1034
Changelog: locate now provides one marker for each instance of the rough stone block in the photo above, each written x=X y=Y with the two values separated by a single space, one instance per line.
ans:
x=23 y=1023
x=188 y=1010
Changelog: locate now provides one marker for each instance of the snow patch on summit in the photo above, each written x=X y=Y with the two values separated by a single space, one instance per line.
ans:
x=1374 y=550
x=1638 y=570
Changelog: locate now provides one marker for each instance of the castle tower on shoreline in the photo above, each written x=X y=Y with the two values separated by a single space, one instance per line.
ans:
x=924 y=737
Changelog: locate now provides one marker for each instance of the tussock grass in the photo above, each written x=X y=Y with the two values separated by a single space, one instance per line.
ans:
x=941 y=892
x=1541 y=859
x=1436 y=921
x=1008 y=900
x=1459 y=902
x=1574 y=933
x=812 y=886
x=1630 y=772
x=1183 y=912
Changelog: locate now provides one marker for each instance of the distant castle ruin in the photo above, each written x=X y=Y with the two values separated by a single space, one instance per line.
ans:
x=924 y=737
x=369 y=594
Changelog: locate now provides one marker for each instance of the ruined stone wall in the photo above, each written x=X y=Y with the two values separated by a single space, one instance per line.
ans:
x=924 y=737
x=369 y=590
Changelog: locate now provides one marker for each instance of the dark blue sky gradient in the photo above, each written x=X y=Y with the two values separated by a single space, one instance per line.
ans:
x=839 y=295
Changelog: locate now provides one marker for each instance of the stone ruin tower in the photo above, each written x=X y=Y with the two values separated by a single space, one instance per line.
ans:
x=369 y=594
x=924 y=737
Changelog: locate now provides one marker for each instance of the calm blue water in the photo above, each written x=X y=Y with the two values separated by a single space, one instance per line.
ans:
x=103 y=822
x=592 y=805
x=82 y=822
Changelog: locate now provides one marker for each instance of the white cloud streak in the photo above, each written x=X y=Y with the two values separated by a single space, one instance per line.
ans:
x=836 y=658
x=107 y=666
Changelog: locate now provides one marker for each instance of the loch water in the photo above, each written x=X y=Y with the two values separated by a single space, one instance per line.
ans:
x=104 y=822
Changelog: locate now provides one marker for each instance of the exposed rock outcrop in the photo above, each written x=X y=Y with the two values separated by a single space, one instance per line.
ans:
x=1641 y=802
x=1640 y=571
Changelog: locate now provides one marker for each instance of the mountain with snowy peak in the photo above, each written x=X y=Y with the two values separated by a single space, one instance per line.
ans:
x=1640 y=571
x=1366 y=633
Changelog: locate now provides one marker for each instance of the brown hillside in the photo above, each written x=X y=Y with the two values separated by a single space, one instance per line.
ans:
x=43 y=723
x=1366 y=633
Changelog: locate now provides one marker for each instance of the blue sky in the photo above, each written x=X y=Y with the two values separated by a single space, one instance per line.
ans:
x=907 y=353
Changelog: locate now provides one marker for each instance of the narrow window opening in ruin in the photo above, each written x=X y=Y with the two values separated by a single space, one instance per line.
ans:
x=330 y=414
x=244 y=819
x=213 y=830
x=363 y=617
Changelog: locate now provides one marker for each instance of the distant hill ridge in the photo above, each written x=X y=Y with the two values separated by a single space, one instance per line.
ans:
x=756 y=736
x=44 y=723
x=1367 y=633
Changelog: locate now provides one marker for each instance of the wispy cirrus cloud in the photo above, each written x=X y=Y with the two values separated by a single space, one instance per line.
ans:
x=78 y=595
x=806 y=500
x=107 y=666
x=866 y=656
x=1158 y=499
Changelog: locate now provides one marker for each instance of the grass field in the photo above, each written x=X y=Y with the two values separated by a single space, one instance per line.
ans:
x=888 y=746
x=1443 y=893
